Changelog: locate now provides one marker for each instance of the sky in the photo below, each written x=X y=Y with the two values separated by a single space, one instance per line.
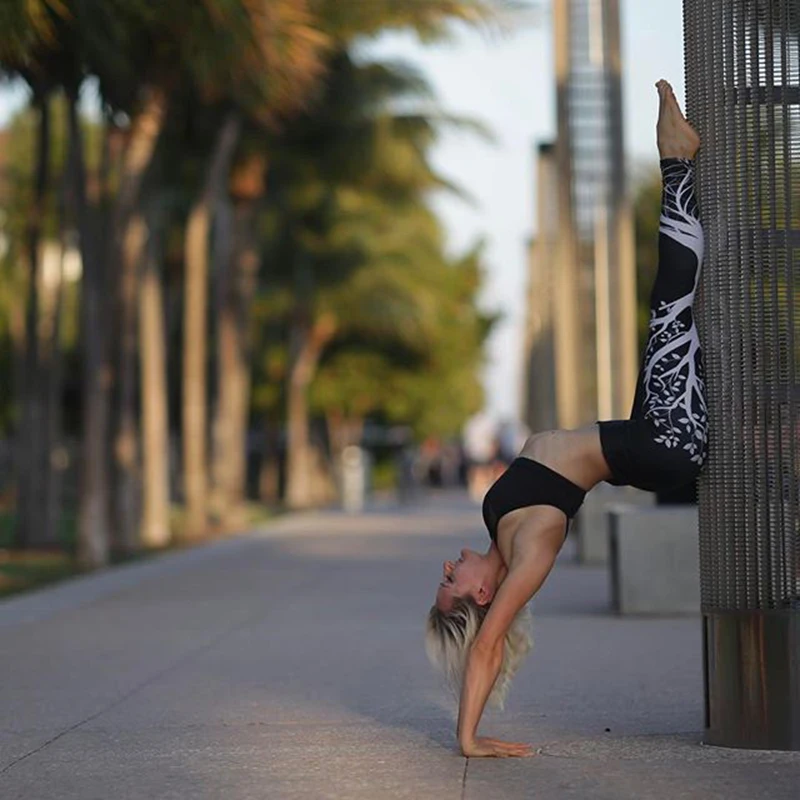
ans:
x=507 y=82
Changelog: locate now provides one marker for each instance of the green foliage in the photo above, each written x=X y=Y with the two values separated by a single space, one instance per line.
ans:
x=433 y=387
x=16 y=188
x=430 y=19
x=346 y=230
x=350 y=237
x=439 y=396
x=29 y=33
x=262 y=56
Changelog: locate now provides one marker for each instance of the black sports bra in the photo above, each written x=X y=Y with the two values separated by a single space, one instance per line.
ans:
x=529 y=483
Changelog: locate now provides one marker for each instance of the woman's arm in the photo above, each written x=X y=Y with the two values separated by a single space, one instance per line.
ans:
x=482 y=670
x=526 y=575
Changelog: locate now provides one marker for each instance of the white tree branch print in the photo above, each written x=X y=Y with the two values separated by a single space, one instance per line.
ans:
x=674 y=391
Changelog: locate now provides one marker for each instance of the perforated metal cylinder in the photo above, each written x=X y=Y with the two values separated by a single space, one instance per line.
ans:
x=743 y=95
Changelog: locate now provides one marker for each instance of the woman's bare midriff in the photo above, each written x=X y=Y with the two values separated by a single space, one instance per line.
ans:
x=577 y=454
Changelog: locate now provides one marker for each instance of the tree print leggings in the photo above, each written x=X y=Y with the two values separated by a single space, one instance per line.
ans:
x=663 y=444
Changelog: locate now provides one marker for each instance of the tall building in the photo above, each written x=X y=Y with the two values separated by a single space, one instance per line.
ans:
x=593 y=272
x=539 y=386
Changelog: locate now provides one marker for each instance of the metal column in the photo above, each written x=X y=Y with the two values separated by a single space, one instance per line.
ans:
x=743 y=94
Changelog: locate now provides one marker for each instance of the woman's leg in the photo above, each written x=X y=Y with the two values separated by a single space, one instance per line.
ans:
x=671 y=393
x=663 y=444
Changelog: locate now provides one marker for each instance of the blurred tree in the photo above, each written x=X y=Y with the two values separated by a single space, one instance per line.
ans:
x=155 y=523
x=30 y=48
x=431 y=20
x=346 y=22
x=372 y=372
x=286 y=60
x=353 y=241
x=48 y=34
x=236 y=279
x=229 y=77
x=145 y=56
x=195 y=325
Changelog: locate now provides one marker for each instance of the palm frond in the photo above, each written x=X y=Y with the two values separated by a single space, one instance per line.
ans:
x=28 y=33
x=429 y=19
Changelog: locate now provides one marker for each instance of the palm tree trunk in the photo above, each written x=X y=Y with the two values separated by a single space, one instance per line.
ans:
x=195 y=328
x=155 y=420
x=236 y=288
x=298 y=455
x=93 y=503
x=30 y=433
x=309 y=343
x=16 y=329
x=130 y=236
x=52 y=378
x=222 y=268
x=269 y=471
x=69 y=222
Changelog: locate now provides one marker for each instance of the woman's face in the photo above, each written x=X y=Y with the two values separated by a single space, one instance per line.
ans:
x=459 y=579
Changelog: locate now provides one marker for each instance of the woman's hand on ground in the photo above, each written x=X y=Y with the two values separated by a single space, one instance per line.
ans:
x=483 y=747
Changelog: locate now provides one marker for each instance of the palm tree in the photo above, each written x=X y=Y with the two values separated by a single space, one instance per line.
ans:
x=343 y=21
x=195 y=333
x=106 y=38
x=93 y=527
x=430 y=20
x=408 y=343
x=262 y=63
x=429 y=382
x=143 y=55
x=29 y=49
x=286 y=53
x=155 y=528
x=348 y=20
x=349 y=173
x=32 y=480
x=237 y=273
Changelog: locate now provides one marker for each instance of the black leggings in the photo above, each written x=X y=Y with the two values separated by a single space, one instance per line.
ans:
x=663 y=444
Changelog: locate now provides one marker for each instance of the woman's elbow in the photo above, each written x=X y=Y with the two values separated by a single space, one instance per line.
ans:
x=489 y=652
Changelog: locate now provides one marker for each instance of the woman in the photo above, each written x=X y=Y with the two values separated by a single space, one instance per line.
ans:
x=476 y=631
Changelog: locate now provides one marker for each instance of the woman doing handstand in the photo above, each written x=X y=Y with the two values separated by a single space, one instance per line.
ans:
x=476 y=631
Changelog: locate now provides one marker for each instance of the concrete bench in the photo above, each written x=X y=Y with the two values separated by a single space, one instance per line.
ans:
x=654 y=560
x=592 y=520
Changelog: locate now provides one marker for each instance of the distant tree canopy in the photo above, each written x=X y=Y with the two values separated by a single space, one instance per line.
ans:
x=251 y=209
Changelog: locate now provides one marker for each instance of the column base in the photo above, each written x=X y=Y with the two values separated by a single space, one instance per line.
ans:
x=752 y=678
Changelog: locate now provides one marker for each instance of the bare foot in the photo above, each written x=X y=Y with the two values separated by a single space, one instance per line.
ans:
x=676 y=137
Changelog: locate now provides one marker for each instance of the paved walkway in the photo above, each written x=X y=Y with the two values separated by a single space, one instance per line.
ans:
x=289 y=664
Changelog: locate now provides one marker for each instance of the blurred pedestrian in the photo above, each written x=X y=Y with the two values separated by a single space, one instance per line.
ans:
x=481 y=451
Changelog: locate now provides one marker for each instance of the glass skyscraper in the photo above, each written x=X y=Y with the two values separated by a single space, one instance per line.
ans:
x=592 y=281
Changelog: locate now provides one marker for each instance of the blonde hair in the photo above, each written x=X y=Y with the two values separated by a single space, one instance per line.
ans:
x=449 y=636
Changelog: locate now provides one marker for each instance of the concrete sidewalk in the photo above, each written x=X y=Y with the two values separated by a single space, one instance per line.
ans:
x=289 y=664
